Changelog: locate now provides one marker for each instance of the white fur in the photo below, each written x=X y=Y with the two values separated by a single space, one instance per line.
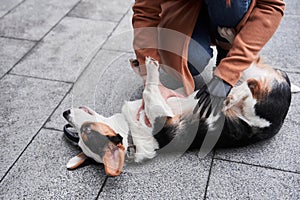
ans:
x=243 y=93
x=155 y=104
x=295 y=88
x=227 y=34
x=143 y=139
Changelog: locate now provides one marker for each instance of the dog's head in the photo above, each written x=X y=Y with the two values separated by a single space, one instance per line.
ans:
x=262 y=98
x=97 y=139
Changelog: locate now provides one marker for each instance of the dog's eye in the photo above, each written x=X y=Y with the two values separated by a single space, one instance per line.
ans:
x=86 y=129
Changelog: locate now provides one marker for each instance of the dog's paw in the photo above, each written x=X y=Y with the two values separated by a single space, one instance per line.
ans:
x=226 y=33
x=151 y=61
x=294 y=88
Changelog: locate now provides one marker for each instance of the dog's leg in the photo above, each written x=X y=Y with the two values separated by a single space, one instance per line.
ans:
x=227 y=33
x=155 y=104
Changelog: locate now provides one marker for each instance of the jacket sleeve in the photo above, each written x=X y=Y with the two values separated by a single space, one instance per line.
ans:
x=145 y=21
x=256 y=32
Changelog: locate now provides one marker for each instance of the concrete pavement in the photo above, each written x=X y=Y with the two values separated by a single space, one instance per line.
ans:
x=55 y=54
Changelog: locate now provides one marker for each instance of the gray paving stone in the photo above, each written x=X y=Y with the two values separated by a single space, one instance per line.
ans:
x=41 y=172
x=294 y=111
x=292 y=7
x=122 y=37
x=280 y=51
x=111 y=10
x=116 y=85
x=11 y=51
x=66 y=51
x=34 y=18
x=185 y=178
x=26 y=103
x=7 y=5
x=281 y=151
x=103 y=86
x=238 y=181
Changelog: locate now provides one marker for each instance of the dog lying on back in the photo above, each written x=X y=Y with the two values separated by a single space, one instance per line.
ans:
x=254 y=110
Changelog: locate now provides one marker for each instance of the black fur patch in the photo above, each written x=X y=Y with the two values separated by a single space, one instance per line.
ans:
x=235 y=133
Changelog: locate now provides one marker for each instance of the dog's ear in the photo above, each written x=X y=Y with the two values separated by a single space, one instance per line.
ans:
x=256 y=88
x=113 y=160
x=76 y=161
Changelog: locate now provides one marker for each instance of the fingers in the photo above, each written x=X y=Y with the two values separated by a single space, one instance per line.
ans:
x=215 y=107
x=202 y=98
x=199 y=93
x=208 y=111
x=206 y=104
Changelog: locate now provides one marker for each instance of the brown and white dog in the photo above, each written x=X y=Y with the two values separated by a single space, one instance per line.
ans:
x=254 y=110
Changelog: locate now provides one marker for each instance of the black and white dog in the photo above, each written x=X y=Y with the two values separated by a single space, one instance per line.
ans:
x=254 y=110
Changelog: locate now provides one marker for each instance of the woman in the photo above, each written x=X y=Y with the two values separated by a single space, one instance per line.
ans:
x=163 y=30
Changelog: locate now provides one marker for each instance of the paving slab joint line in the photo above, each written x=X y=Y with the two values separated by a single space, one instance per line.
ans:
x=101 y=189
x=12 y=9
x=255 y=165
x=40 y=78
x=35 y=136
x=19 y=60
x=117 y=50
x=96 y=20
x=16 y=38
x=209 y=174
x=292 y=72
x=27 y=53
x=52 y=129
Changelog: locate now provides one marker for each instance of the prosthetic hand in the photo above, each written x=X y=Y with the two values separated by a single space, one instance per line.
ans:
x=211 y=97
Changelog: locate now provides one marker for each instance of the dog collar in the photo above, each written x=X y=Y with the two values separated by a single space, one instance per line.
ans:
x=131 y=149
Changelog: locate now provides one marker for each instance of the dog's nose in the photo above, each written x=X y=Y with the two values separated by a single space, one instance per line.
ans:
x=66 y=114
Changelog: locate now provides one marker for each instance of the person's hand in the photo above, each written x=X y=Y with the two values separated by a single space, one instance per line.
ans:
x=211 y=97
x=166 y=93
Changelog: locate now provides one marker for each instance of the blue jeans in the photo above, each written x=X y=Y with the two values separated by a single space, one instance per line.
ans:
x=214 y=13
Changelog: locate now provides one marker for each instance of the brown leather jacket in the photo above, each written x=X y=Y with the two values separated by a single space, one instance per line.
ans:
x=253 y=32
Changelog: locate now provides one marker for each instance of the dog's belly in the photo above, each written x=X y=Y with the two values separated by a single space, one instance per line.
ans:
x=181 y=106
